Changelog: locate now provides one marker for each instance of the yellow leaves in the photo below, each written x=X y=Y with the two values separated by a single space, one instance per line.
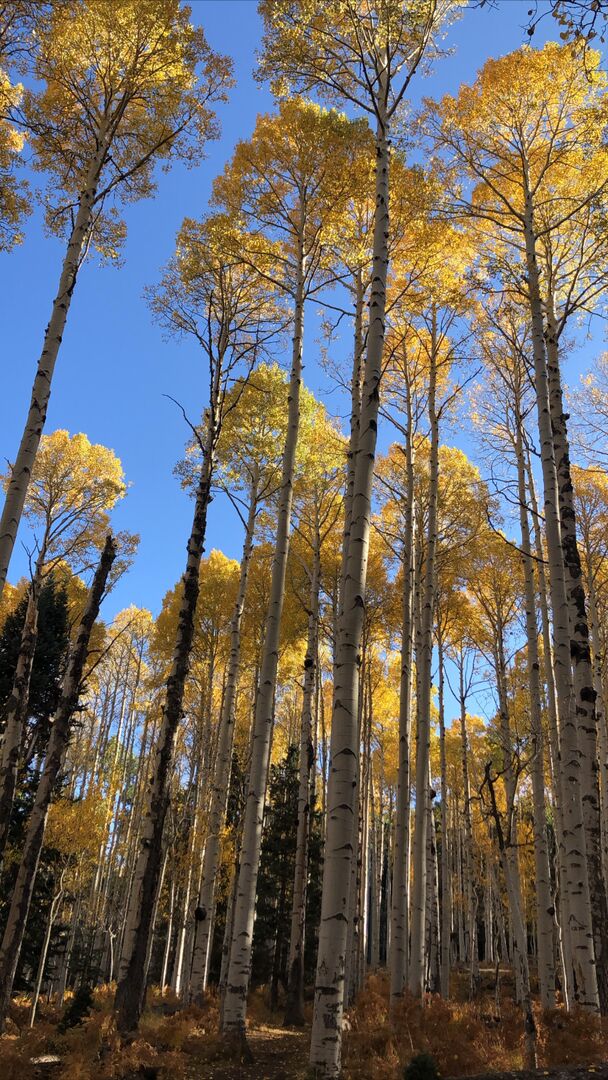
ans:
x=124 y=85
x=13 y=193
x=75 y=483
x=337 y=47
x=532 y=121
x=290 y=182
x=75 y=829
x=218 y=581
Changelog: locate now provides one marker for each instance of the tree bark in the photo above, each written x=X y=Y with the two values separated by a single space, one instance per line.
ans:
x=580 y=651
x=469 y=890
x=519 y=938
x=294 y=1008
x=239 y=970
x=544 y=902
x=325 y=1050
x=577 y=901
x=424 y=665
x=446 y=891
x=400 y=893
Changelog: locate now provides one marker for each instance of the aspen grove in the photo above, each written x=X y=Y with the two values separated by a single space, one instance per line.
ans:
x=304 y=747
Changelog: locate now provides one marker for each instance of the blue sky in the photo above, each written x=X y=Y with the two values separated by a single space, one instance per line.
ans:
x=114 y=366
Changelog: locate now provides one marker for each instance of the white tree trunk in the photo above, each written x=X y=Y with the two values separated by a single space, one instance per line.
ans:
x=446 y=891
x=469 y=890
x=544 y=902
x=400 y=891
x=326 y=1040
x=424 y=661
x=583 y=683
x=577 y=901
x=239 y=970
x=21 y=471
x=204 y=915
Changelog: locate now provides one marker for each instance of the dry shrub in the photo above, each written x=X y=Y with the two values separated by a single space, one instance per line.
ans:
x=93 y=1050
x=14 y=1059
x=576 y=1038
x=463 y=1038
x=178 y=1031
x=258 y=1007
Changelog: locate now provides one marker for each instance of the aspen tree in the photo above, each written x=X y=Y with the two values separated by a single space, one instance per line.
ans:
x=208 y=293
x=424 y=655
x=287 y=183
x=365 y=55
x=520 y=194
x=590 y=490
x=246 y=455
x=509 y=397
x=317 y=505
x=124 y=86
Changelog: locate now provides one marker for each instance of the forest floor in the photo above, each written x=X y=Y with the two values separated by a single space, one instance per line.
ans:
x=480 y=1039
x=278 y=1054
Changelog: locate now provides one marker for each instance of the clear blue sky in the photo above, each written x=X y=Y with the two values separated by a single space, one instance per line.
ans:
x=114 y=366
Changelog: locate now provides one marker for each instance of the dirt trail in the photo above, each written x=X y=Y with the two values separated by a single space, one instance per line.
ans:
x=279 y=1054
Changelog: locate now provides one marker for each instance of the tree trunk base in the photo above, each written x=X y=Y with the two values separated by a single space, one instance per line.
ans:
x=237 y=1048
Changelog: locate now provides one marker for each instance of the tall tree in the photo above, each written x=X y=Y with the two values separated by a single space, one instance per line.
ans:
x=122 y=87
x=365 y=55
x=210 y=293
x=288 y=183
x=516 y=154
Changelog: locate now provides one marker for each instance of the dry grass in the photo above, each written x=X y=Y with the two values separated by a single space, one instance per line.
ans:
x=464 y=1038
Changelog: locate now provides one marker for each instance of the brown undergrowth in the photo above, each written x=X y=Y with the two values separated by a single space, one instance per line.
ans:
x=173 y=1043
x=164 y=1047
x=465 y=1038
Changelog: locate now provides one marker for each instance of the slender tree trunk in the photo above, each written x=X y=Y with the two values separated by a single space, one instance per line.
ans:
x=594 y=626
x=326 y=1041
x=58 y=897
x=204 y=915
x=21 y=471
x=131 y=990
x=563 y=921
x=446 y=898
x=424 y=666
x=168 y=939
x=294 y=1008
x=577 y=901
x=519 y=938
x=355 y=420
x=239 y=971
x=400 y=892
x=432 y=951
x=544 y=903
x=60 y=729
x=580 y=651
x=470 y=891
